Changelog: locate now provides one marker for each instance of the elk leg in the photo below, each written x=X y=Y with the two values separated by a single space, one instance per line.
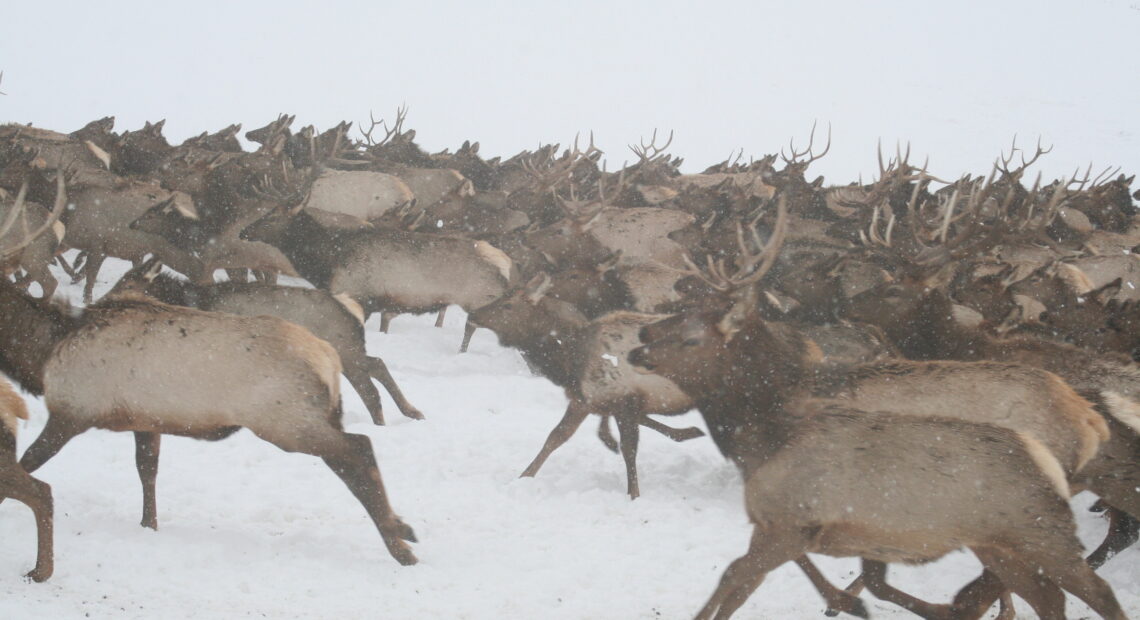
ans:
x=1033 y=586
x=606 y=435
x=385 y=320
x=41 y=274
x=439 y=317
x=766 y=551
x=147 y=447
x=875 y=578
x=361 y=381
x=237 y=274
x=355 y=464
x=71 y=271
x=576 y=412
x=629 y=434
x=468 y=331
x=976 y=598
x=91 y=272
x=676 y=434
x=837 y=600
x=55 y=435
x=1123 y=530
x=381 y=374
x=1076 y=576
x=35 y=494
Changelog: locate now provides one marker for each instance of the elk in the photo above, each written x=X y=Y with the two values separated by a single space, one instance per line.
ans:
x=16 y=483
x=337 y=320
x=587 y=360
x=134 y=364
x=389 y=270
x=713 y=341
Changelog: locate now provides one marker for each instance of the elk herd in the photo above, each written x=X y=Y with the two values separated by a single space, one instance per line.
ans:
x=897 y=371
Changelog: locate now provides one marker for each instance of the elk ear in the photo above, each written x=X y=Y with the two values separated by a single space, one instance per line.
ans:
x=1108 y=291
x=410 y=135
x=467 y=188
x=537 y=287
x=156 y=128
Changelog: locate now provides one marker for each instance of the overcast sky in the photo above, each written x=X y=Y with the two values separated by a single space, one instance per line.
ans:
x=956 y=79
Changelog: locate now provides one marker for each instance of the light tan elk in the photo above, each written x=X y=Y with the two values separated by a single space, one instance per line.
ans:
x=17 y=484
x=134 y=364
x=390 y=270
x=828 y=476
x=338 y=320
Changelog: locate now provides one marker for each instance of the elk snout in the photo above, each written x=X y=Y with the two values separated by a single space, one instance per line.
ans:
x=639 y=357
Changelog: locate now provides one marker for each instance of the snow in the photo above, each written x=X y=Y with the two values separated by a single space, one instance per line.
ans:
x=246 y=530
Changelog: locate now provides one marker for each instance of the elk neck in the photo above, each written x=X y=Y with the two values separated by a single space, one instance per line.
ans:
x=29 y=332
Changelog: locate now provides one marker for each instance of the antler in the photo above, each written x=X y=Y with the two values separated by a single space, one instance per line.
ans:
x=555 y=173
x=20 y=205
x=1016 y=175
x=752 y=265
x=396 y=130
x=808 y=151
x=651 y=153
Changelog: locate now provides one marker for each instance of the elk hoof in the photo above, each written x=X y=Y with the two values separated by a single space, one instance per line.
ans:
x=413 y=413
x=38 y=575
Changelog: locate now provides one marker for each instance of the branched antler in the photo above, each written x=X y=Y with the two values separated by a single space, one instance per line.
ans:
x=752 y=266
x=1016 y=174
x=795 y=158
x=394 y=131
x=651 y=153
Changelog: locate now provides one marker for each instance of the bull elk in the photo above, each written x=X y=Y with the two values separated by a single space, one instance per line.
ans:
x=134 y=364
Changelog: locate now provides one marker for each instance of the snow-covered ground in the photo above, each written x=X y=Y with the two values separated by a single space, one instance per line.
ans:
x=246 y=530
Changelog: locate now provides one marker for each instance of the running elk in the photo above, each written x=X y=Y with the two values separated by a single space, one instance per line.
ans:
x=133 y=364
x=587 y=359
x=336 y=319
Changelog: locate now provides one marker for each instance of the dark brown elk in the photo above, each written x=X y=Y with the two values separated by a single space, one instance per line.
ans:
x=224 y=140
x=17 y=484
x=134 y=364
x=587 y=360
x=338 y=320
x=837 y=476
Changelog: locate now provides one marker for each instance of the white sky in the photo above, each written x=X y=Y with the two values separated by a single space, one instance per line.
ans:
x=956 y=79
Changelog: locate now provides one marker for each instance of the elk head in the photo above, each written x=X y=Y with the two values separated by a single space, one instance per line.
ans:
x=141 y=152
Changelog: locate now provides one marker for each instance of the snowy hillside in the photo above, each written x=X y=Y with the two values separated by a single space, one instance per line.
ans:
x=246 y=530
